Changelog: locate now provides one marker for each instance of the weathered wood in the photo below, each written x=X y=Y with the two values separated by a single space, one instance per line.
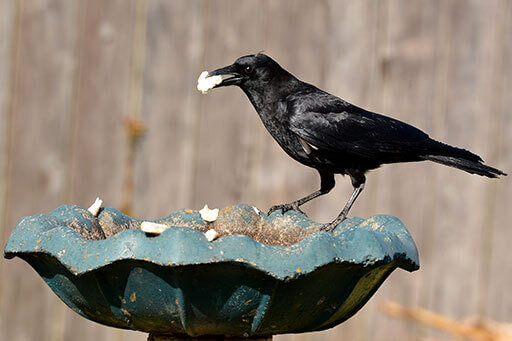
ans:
x=100 y=105
x=9 y=26
x=9 y=34
x=495 y=274
x=39 y=107
x=169 y=108
x=460 y=98
x=226 y=22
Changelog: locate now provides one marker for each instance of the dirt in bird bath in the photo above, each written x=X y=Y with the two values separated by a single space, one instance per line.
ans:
x=280 y=229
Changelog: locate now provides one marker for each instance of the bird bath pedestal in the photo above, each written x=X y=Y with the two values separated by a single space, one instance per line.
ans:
x=153 y=337
x=264 y=275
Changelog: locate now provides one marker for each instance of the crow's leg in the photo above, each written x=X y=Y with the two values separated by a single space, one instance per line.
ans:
x=358 y=182
x=326 y=184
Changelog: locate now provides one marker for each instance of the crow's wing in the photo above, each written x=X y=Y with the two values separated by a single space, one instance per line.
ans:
x=338 y=126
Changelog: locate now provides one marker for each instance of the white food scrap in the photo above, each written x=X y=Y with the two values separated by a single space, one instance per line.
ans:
x=206 y=83
x=211 y=235
x=95 y=207
x=153 y=228
x=208 y=214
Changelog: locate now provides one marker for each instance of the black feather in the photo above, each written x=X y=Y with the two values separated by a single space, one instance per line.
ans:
x=333 y=136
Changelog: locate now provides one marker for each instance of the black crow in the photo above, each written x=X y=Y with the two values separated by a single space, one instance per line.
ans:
x=331 y=135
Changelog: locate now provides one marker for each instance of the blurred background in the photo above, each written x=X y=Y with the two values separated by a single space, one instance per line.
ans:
x=78 y=78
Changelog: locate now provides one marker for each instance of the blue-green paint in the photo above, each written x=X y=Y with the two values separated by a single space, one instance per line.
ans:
x=179 y=283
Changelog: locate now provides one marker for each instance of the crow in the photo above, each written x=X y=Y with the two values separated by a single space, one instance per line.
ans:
x=331 y=135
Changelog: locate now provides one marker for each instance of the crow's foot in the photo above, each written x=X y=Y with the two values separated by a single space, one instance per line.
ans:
x=331 y=226
x=285 y=208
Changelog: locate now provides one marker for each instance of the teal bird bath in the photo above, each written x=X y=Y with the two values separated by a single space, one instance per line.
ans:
x=264 y=275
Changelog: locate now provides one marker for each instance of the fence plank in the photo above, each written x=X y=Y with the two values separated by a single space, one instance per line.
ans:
x=9 y=25
x=100 y=106
x=457 y=234
x=495 y=281
x=170 y=107
x=38 y=158
x=9 y=29
x=226 y=126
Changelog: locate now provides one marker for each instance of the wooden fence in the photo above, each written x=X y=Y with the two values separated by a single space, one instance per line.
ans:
x=71 y=72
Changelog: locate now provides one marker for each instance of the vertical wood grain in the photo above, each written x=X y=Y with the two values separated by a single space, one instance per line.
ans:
x=40 y=106
x=227 y=126
x=8 y=48
x=170 y=104
x=9 y=36
x=102 y=101
x=465 y=123
x=495 y=280
x=101 y=104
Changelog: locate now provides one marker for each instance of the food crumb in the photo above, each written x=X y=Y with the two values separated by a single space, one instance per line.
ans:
x=208 y=214
x=153 y=228
x=205 y=83
x=211 y=235
x=95 y=207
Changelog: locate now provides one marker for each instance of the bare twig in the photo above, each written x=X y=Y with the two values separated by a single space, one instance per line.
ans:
x=475 y=329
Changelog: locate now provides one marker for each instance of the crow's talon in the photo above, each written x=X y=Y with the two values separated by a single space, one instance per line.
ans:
x=285 y=208
x=331 y=226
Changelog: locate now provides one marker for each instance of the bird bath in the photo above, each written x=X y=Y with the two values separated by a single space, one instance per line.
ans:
x=264 y=275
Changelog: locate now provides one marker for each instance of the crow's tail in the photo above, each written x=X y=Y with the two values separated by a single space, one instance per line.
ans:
x=461 y=159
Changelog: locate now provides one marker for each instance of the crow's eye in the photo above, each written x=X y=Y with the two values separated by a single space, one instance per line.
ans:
x=248 y=69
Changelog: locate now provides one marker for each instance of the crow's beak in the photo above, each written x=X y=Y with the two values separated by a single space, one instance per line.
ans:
x=227 y=71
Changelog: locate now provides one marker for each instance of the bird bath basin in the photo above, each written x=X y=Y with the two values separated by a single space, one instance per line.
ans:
x=264 y=275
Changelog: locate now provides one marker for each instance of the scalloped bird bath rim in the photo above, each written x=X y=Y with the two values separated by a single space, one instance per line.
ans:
x=178 y=283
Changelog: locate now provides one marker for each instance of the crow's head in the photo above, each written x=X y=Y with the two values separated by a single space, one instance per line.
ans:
x=250 y=72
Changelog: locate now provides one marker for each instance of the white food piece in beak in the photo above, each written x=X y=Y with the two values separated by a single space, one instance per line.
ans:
x=153 y=228
x=211 y=235
x=95 y=207
x=208 y=214
x=206 y=83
